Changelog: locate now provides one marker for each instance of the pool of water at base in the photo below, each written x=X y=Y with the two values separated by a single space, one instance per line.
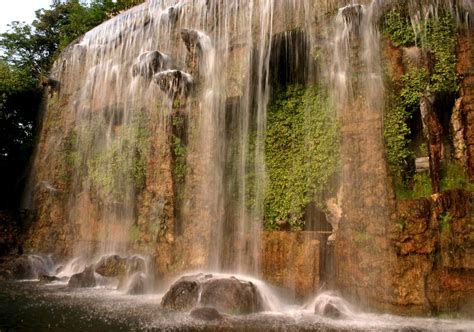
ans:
x=33 y=306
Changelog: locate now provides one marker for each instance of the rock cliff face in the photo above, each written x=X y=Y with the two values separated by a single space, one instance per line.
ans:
x=435 y=254
x=152 y=143
x=463 y=112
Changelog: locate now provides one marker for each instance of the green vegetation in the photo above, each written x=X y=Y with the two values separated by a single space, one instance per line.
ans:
x=121 y=162
x=441 y=41
x=34 y=47
x=27 y=52
x=419 y=185
x=445 y=220
x=396 y=130
x=401 y=223
x=179 y=150
x=397 y=27
x=437 y=39
x=301 y=152
x=19 y=100
x=454 y=177
x=134 y=233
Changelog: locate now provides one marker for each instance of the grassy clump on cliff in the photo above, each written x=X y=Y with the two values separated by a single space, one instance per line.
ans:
x=301 y=152
x=436 y=39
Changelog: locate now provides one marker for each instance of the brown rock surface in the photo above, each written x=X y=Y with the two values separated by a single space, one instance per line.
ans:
x=434 y=239
x=291 y=260
x=465 y=55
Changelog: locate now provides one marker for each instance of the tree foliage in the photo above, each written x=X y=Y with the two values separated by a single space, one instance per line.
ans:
x=27 y=52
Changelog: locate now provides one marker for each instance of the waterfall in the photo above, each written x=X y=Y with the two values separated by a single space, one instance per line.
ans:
x=155 y=143
x=158 y=122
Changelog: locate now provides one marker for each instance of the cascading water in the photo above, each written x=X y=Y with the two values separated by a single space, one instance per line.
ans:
x=155 y=142
x=124 y=86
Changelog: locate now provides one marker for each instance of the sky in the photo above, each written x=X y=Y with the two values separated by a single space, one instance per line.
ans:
x=19 y=10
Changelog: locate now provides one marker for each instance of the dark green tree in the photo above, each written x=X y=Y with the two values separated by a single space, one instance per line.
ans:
x=27 y=52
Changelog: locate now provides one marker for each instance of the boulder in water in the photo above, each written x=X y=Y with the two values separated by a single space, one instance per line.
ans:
x=183 y=294
x=331 y=311
x=30 y=266
x=22 y=268
x=225 y=294
x=137 y=284
x=135 y=264
x=206 y=313
x=48 y=278
x=111 y=266
x=84 y=279
x=332 y=306
x=117 y=266
x=232 y=296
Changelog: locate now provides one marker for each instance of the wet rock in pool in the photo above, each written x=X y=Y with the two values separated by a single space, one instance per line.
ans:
x=30 y=266
x=206 y=313
x=232 y=296
x=135 y=264
x=116 y=266
x=331 y=311
x=83 y=279
x=111 y=266
x=137 y=284
x=22 y=268
x=48 y=278
x=183 y=294
x=332 y=306
x=226 y=294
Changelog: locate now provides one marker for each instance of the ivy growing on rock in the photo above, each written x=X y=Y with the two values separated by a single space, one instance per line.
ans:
x=122 y=162
x=397 y=27
x=301 y=152
x=436 y=37
x=396 y=129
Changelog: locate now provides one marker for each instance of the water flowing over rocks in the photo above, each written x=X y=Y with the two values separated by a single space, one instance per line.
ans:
x=183 y=294
x=111 y=266
x=83 y=279
x=226 y=294
x=150 y=63
x=174 y=83
x=153 y=142
x=31 y=266
x=137 y=284
x=330 y=305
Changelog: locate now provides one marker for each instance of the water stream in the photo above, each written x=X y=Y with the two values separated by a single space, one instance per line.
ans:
x=155 y=148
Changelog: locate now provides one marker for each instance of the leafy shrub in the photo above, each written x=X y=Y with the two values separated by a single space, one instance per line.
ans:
x=301 y=152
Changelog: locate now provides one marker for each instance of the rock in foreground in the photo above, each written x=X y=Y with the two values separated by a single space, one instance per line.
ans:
x=84 y=279
x=183 y=294
x=225 y=294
